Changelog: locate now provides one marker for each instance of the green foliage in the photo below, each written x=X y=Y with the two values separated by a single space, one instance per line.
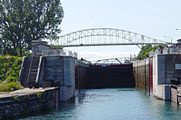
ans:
x=9 y=68
x=9 y=86
x=56 y=47
x=22 y=21
x=9 y=73
x=144 y=53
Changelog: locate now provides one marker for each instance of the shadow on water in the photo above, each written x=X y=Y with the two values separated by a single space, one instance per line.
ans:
x=114 y=104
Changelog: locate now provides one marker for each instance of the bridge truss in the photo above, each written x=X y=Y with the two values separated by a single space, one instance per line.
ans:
x=105 y=36
x=125 y=60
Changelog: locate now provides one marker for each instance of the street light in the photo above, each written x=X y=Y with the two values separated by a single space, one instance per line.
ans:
x=168 y=37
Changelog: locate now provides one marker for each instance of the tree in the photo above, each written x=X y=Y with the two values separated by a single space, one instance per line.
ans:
x=144 y=52
x=22 y=21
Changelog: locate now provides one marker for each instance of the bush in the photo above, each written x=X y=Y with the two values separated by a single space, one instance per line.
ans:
x=9 y=73
x=10 y=86
x=9 y=68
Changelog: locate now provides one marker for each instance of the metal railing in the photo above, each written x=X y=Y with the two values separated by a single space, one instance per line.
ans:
x=59 y=52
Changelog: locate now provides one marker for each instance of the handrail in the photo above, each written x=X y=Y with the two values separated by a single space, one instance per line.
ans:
x=59 y=52
x=39 y=68
x=22 y=64
x=29 y=70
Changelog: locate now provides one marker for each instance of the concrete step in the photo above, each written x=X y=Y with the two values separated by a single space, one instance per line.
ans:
x=33 y=73
x=32 y=78
x=33 y=69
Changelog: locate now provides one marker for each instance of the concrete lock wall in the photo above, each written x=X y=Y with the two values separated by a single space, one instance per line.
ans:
x=164 y=67
x=173 y=67
x=31 y=102
x=141 y=71
x=59 y=71
x=53 y=71
x=69 y=71
x=159 y=87
x=69 y=79
x=167 y=68
x=149 y=74
x=82 y=71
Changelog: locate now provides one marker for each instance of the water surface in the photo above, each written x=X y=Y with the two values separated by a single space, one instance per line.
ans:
x=114 y=104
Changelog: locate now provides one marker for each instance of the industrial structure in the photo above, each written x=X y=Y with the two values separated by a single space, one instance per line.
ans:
x=58 y=73
x=49 y=67
x=160 y=73
x=54 y=67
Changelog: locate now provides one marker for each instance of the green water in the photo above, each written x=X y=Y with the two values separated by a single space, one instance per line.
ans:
x=114 y=104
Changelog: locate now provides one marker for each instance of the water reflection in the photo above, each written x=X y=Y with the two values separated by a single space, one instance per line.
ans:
x=114 y=104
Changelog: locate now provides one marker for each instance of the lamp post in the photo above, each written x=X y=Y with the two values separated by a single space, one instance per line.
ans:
x=168 y=37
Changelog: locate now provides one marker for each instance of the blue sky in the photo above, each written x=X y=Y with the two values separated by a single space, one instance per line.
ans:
x=153 y=18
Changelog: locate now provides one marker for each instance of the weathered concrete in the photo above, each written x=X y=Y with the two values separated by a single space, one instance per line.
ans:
x=141 y=70
x=165 y=70
x=176 y=93
x=155 y=74
x=28 y=102
x=59 y=71
x=82 y=71
x=54 y=71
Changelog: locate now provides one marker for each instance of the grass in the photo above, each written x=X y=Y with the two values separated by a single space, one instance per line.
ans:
x=10 y=86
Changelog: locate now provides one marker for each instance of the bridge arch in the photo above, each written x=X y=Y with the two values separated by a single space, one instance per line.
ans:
x=105 y=36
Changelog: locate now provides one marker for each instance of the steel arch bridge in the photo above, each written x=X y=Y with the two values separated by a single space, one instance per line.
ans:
x=105 y=36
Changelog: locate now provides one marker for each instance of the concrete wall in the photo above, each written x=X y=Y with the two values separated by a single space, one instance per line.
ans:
x=59 y=71
x=69 y=71
x=166 y=67
x=173 y=69
x=141 y=71
x=82 y=72
x=150 y=75
x=56 y=71
x=16 y=105
x=159 y=77
x=175 y=94
x=38 y=49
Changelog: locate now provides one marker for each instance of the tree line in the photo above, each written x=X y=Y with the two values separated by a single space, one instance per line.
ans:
x=22 y=21
x=146 y=49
